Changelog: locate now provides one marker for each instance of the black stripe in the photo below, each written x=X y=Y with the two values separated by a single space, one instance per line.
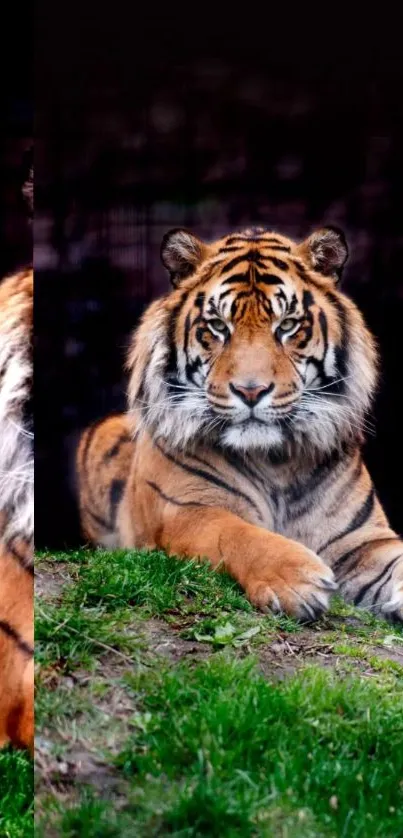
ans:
x=323 y=328
x=233 y=263
x=301 y=489
x=141 y=389
x=205 y=462
x=188 y=325
x=242 y=294
x=205 y=475
x=203 y=336
x=346 y=488
x=307 y=300
x=268 y=279
x=361 y=593
x=229 y=249
x=383 y=584
x=98 y=520
x=235 y=461
x=345 y=556
x=112 y=452
x=86 y=471
x=171 y=366
x=263 y=302
x=342 y=349
x=293 y=304
x=236 y=278
x=172 y=500
x=193 y=366
x=115 y=496
x=25 y=562
x=253 y=257
x=172 y=388
x=278 y=263
x=13 y=635
x=224 y=294
x=305 y=275
x=199 y=301
x=360 y=518
x=237 y=300
x=90 y=435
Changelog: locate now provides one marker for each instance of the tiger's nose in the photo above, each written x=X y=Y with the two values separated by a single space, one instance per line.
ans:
x=251 y=393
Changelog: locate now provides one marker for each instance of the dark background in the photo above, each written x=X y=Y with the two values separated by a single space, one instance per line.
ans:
x=146 y=126
x=16 y=139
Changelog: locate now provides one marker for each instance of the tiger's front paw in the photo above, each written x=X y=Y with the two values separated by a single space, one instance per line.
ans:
x=298 y=583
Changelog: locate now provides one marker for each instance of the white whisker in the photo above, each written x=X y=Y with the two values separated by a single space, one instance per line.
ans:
x=331 y=384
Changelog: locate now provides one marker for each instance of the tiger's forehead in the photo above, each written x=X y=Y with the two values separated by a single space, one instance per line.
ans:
x=259 y=270
x=254 y=235
x=262 y=297
x=252 y=240
x=263 y=254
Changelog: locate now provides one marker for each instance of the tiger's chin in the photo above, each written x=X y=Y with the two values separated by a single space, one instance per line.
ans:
x=252 y=434
x=298 y=437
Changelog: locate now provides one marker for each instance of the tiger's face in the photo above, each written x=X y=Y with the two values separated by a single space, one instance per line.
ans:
x=256 y=347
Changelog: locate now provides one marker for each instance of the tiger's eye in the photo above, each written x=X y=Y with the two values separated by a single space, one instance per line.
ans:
x=287 y=325
x=218 y=325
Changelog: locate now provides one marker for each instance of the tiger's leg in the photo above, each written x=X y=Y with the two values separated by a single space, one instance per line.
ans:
x=183 y=505
x=366 y=554
x=102 y=465
x=274 y=571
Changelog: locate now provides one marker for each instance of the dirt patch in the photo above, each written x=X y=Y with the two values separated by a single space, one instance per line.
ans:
x=74 y=769
x=68 y=758
x=50 y=579
x=282 y=655
x=166 y=641
x=394 y=653
x=287 y=653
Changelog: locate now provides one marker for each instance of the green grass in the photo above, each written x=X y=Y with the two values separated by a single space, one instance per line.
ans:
x=112 y=594
x=154 y=581
x=219 y=740
x=16 y=795
x=239 y=748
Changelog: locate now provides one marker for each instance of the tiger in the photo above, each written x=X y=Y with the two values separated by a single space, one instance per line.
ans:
x=249 y=388
x=16 y=512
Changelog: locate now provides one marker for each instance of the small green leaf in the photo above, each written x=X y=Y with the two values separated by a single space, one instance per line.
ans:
x=224 y=633
x=245 y=636
x=392 y=639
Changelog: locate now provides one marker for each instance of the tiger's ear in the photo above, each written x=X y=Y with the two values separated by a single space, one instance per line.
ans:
x=326 y=251
x=181 y=254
